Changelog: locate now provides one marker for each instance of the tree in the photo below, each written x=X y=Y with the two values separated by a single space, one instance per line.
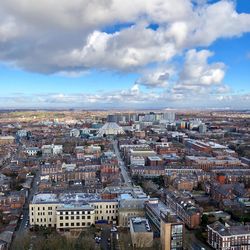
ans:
x=204 y=220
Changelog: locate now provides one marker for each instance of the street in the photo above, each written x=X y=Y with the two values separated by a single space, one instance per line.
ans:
x=33 y=190
x=124 y=173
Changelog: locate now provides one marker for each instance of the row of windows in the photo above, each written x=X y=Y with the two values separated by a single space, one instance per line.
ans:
x=107 y=211
x=77 y=224
x=42 y=220
x=41 y=213
x=107 y=206
x=74 y=217
x=41 y=208
x=75 y=212
x=108 y=218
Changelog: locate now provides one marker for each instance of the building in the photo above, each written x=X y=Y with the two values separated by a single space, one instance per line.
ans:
x=110 y=128
x=74 y=132
x=130 y=207
x=32 y=151
x=172 y=233
x=225 y=237
x=137 y=161
x=166 y=223
x=202 y=128
x=148 y=171
x=74 y=216
x=169 y=116
x=184 y=207
x=71 y=210
x=52 y=149
x=141 y=233
x=5 y=140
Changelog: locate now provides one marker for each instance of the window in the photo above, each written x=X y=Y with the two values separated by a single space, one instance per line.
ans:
x=72 y=217
x=61 y=213
x=66 y=224
x=78 y=217
x=88 y=217
x=78 y=224
x=43 y=208
x=88 y=212
x=83 y=223
x=66 y=212
x=61 y=224
x=72 y=224
x=89 y=223
x=66 y=217
x=49 y=208
x=83 y=217
x=32 y=208
x=77 y=212
x=49 y=219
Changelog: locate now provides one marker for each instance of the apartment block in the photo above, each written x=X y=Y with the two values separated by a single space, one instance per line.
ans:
x=225 y=237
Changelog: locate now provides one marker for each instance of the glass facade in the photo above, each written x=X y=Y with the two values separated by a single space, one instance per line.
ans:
x=176 y=237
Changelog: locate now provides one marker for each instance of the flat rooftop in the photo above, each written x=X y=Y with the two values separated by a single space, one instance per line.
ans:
x=75 y=206
x=140 y=225
x=64 y=198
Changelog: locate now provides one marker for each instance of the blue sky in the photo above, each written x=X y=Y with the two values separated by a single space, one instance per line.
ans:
x=177 y=54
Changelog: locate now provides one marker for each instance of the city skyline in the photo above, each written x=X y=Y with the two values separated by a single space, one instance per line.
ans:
x=111 y=55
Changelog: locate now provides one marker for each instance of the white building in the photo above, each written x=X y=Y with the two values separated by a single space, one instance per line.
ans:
x=71 y=210
x=52 y=149
x=137 y=161
x=32 y=151
x=74 y=132
x=110 y=128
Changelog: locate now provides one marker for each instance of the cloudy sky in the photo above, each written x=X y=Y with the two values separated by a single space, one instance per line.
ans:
x=125 y=54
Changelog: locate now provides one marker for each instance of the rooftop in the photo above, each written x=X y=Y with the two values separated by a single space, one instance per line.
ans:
x=140 y=225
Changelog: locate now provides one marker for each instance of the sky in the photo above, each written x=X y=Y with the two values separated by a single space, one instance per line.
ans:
x=104 y=54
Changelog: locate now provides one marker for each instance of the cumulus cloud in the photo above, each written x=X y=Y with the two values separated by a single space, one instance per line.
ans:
x=70 y=38
x=53 y=36
x=125 y=50
x=159 y=77
x=197 y=71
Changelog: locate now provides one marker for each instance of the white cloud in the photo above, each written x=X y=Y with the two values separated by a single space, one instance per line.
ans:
x=127 y=98
x=159 y=77
x=69 y=38
x=125 y=50
x=8 y=30
x=62 y=35
x=197 y=71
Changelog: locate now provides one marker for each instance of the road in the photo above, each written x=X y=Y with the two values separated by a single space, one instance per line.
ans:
x=33 y=190
x=192 y=243
x=126 y=178
x=105 y=235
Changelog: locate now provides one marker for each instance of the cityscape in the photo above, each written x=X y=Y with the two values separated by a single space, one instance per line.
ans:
x=125 y=180
x=125 y=125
